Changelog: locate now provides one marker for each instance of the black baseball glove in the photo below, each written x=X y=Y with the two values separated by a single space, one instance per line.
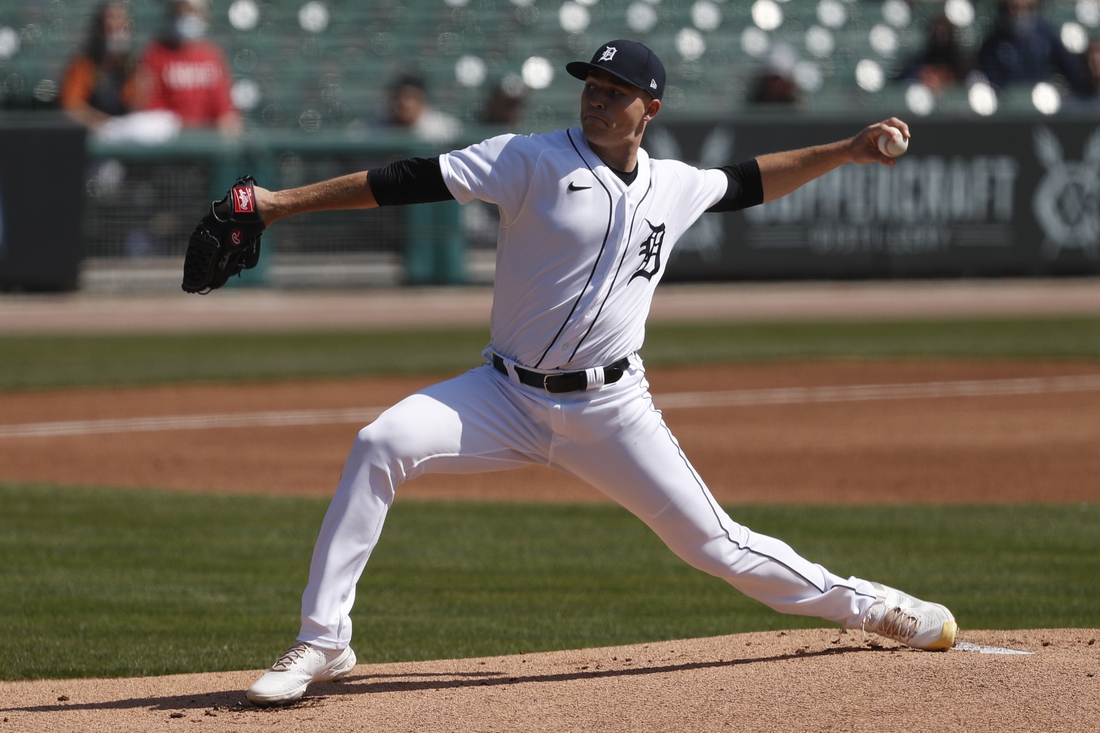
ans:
x=226 y=241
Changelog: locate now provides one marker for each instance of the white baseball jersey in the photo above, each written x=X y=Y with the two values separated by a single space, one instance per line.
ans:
x=579 y=251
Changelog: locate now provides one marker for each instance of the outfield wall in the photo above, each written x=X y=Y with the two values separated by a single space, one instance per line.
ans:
x=973 y=198
x=970 y=198
x=41 y=171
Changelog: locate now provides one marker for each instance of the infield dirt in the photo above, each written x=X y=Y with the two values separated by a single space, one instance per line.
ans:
x=806 y=680
x=982 y=448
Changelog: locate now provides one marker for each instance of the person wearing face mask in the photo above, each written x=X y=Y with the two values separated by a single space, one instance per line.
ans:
x=1024 y=49
x=99 y=82
x=186 y=74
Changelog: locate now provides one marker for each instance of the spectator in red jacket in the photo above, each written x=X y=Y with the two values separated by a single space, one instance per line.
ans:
x=184 y=73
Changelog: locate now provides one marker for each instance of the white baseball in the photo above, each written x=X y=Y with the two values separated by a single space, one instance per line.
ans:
x=888 y=147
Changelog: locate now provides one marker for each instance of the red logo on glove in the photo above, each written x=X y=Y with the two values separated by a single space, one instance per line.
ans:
x=236 y=237
x=242 y=200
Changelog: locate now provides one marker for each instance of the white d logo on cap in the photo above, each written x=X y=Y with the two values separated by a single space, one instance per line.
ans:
x=608 y=54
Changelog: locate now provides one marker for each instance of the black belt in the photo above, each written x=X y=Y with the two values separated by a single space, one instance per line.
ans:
x=565 y=381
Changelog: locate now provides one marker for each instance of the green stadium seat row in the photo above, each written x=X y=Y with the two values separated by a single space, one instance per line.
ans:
x=345 y=66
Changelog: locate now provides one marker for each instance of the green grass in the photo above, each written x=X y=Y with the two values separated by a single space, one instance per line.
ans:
x=111 y=582
x=61 y=361
x=57 y=361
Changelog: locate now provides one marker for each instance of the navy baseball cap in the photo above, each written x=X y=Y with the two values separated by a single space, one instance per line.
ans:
x=630 y=61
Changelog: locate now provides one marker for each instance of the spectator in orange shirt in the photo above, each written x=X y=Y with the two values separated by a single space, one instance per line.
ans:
x=184 y=73
x=99 y=83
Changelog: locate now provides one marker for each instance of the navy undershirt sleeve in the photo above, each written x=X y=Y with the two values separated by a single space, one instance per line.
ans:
x=745 y=187
x=411 y=181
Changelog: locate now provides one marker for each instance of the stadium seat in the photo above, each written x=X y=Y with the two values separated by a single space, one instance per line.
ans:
x=712 y=49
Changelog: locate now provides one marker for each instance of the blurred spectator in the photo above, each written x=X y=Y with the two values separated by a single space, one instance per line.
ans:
x=410 y=110
x=1024 y=48
x=183 y=73
x=1092 y=69
x=99 y=82
x=1089 y=102
x=775 y=83
x=941 y=64
x=504 y=105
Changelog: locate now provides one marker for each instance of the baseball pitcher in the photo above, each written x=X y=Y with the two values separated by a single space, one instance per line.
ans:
x=587 y=223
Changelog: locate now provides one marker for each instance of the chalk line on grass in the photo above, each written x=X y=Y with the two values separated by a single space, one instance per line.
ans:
x=863 y=392
x=268 y=419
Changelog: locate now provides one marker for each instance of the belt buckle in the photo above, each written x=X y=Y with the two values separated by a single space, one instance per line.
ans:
x=546 y=383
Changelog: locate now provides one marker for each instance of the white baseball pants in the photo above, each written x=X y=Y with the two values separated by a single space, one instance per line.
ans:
x=611 y=437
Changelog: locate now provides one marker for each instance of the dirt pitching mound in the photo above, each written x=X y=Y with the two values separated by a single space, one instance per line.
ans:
x=805 y=680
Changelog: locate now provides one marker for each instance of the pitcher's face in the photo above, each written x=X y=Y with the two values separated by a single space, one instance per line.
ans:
x=613 y=111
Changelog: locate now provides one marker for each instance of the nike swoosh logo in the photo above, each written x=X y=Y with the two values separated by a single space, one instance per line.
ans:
x=575 y=187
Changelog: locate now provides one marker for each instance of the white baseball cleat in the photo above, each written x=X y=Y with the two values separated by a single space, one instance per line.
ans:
x=913 y=622
x=302 y=664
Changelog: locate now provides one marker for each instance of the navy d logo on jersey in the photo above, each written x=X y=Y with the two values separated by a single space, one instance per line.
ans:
x=651 y=252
